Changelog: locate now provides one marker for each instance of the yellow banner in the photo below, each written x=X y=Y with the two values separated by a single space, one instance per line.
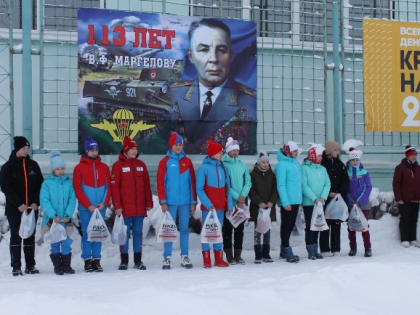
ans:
x=391 y=57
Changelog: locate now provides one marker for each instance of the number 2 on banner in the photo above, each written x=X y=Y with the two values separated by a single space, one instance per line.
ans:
x=411 y=112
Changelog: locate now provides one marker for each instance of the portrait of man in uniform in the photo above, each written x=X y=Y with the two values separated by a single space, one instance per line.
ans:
x=214 y=105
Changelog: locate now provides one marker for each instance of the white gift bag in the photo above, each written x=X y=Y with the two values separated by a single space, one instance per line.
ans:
x=318 y=222
x=238 y=216
x=337 y=209
x=97 y=230
x=27 y=224
x=167 y=231
x=357 y=221
x=211 y=232
x=119 y=231
x=263 y=221
x=57 y=233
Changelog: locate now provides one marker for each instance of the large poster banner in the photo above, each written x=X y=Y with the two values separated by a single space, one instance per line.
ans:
x=391 y=57
x=146 y=75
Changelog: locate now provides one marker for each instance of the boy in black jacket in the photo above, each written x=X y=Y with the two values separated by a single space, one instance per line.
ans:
x=21 y=181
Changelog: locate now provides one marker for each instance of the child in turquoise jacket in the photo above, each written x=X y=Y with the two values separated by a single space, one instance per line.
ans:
x=58 y=201
x=316 y=187
x=240 y=184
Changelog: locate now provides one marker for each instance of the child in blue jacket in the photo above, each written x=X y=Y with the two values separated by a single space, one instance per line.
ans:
x=213 y=189
x=58 y=201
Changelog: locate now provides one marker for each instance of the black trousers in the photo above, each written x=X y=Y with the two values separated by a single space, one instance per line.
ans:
x=311 y=237
x=409 y=213
x=238 y=235
x=288 y=220
x=329 y=240
x=16 y=242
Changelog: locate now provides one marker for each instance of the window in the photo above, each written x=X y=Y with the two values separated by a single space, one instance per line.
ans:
x=312 y=21
x=230 y=8
x=360 y=9
x=61 y=15
x=273 y=17
x=17 y=14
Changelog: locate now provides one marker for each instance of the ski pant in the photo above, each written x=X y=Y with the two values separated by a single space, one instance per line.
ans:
x=238 y=235
x=134 y=226
x=220 y=216
x=63 y=247
x=409 y=213
x=365 y=235
x=183 y=213
x=90 y=250
x=333 y=235
x=311 y=237
x=288 y=220
x=16 y=242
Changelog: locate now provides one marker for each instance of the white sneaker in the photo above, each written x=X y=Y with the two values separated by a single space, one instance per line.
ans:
x=186 y=262
x=327 y=254
x=415 y=243
x=405 y=244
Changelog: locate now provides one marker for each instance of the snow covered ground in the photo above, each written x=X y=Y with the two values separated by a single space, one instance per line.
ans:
x=387 y=283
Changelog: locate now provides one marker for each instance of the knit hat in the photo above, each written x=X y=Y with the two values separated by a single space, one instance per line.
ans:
x=91 y=144
x=20 y=142
x=314 y=151
x=231 y=145
x=355 y=154
x=213 y=148
x=331 y=146
x=56 y=160
x=289 y=147
x=410 y=150
x=262 y=156
x=175 y=138
x=128 y=144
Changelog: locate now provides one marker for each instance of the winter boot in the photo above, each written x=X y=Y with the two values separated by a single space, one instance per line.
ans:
x=206 y=259
x=353 y=251
x=317 y=254
x=311 y=254
x=218 y=259
x=266 y=253
x=66 y=264
x=138 y=264
x=282 y=253
x=124 y=262
x=186 y=262
x=96 y=265
x=56 y=260
x=17 y=272
x=31 y=270
x=237 y=258
x=258 y=253
x=229 y=256
x=368 y=252
x=88 y=265
x=166 y=265
x=290 y=257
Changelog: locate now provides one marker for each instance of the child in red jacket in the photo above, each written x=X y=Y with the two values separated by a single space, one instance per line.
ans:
x=132 y=198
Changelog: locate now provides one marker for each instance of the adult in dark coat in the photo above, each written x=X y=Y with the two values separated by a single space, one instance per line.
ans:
x=21 y=181
x=263 y=194
x=406 y=186
x=330 y=239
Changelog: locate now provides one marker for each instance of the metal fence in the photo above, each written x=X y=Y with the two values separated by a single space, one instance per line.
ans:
x=310 y=65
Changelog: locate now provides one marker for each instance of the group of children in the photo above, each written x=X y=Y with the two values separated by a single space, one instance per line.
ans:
x=222 y=183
